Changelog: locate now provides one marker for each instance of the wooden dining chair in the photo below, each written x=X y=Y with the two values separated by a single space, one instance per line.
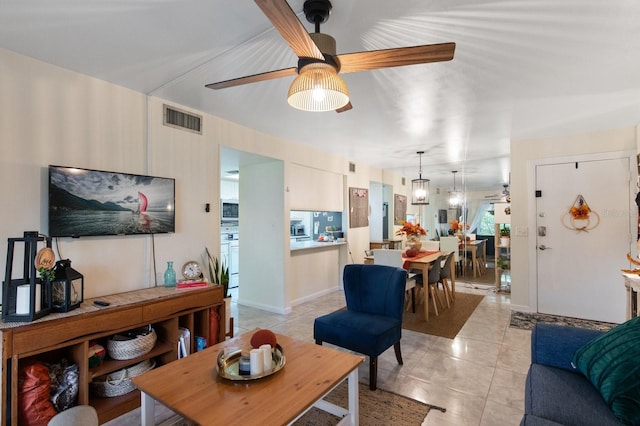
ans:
x=431 y=286
x=481 y=261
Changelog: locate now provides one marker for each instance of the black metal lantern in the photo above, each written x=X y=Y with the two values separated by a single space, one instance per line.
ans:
x=420 y=187
x=67 y=288
x=28 y=298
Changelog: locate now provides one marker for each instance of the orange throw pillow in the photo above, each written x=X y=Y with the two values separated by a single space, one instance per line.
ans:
x=34 y=406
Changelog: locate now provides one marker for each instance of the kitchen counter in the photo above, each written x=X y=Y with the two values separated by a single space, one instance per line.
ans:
x=305 y=245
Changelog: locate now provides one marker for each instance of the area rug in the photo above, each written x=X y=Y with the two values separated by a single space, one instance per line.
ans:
x=526 y=321
x=449 y=321
x=377 y=407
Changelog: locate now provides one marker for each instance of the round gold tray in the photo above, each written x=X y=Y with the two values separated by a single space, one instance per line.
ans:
x=228 y=365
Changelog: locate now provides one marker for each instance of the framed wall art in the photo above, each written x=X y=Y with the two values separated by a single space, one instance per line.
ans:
x=358 y=207
x=399 y=209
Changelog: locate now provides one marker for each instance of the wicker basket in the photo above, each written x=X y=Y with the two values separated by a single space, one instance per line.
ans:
x=119 y=382
x=132 y=348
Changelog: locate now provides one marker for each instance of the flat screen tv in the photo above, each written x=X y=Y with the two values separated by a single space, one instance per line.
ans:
x=84 y=202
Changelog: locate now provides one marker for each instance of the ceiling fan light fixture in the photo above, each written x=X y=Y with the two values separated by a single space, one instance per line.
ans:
x=318 y=88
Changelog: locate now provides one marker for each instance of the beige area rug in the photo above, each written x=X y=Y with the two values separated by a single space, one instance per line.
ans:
x=377 y=408
x=449 y=321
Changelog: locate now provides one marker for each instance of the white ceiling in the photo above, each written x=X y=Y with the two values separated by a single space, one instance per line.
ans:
x=522 y=69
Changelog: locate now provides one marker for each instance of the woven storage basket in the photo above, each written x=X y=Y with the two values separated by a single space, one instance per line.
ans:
x=132 y=348
x=119 y=382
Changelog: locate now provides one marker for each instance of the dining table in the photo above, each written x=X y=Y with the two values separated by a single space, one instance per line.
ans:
x=422 y=262
x=470 y=247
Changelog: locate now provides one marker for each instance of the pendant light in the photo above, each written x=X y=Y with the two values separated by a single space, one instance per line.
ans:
x=420 y=187
x=318 y=88
x=455 y=199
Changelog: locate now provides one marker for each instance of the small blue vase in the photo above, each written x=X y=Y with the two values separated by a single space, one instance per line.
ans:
x=170 y=275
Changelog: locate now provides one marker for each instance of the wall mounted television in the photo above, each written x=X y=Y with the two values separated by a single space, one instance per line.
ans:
x=85 y=202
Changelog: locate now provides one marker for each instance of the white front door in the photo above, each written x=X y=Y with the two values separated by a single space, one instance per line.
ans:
x=578 y=271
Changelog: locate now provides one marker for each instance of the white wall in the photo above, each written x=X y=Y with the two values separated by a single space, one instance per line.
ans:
x=49 y=115
x=264 y=237
x=52 y=116
x=523 y=154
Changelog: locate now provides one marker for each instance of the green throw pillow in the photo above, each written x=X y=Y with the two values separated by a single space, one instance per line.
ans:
x=612 y=363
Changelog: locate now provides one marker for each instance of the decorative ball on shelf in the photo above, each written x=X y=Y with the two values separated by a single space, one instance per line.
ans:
x=263 y=337
x=97 y=353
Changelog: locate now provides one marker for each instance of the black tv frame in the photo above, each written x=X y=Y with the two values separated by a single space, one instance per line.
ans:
x=88 y=202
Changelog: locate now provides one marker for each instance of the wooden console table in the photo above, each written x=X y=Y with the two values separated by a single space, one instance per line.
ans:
x=68 y=335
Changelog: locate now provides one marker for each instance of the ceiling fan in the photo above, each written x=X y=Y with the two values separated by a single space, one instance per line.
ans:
x=318 y=86
x=505 y=195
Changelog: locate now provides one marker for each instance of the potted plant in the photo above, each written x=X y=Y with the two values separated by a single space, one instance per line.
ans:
x=503 y=263
x=219 y=274
x=505 y=236
x=413 y=232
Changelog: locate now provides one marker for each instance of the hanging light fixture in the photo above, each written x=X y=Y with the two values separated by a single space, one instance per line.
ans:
x=317 y=88
x=455 y=198
x=420 y=187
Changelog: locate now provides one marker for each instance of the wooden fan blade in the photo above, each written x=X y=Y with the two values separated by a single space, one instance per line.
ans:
x=270 y=75
x=396 y=57
x=347 y=107
x=290 y=28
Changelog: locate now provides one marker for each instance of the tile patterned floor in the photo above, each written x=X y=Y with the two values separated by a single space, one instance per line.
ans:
x=479 y=376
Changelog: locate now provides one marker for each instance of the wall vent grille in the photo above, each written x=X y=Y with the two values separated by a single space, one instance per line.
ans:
x=173 y=117
x=352 y=167
x=404 y=181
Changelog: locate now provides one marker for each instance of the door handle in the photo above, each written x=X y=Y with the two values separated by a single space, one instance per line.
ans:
x=543 y=247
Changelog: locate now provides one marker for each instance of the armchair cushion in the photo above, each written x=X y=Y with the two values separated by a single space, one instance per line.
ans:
x=610 y=362
x=367 y=334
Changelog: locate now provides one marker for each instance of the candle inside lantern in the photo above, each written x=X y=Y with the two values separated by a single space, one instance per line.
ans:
x=23 y=299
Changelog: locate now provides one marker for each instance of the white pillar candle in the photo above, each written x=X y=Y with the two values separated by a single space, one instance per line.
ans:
x=255 y=357
x=23 y=299
x=267 y=357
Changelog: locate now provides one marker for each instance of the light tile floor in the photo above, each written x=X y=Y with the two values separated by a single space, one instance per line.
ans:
x=478 y=377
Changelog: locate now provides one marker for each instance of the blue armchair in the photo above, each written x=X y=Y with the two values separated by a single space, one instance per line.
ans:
x=372 y=321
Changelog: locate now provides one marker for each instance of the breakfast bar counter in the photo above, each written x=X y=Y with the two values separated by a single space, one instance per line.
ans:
x=305 y=245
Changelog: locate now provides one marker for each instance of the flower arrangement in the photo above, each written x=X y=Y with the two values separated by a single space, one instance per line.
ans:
x=581 y=212
x=458 y=226
x=411 y=230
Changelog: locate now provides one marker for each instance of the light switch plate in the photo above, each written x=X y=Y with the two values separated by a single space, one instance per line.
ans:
x=522 y=231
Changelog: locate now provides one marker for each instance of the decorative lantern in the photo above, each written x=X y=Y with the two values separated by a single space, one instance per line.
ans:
x=28 y=298
x=67 y=288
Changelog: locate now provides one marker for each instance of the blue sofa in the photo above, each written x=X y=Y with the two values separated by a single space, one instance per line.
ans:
x=555 y=392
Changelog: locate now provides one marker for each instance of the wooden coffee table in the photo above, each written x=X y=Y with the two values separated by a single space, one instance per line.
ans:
x=192 y=388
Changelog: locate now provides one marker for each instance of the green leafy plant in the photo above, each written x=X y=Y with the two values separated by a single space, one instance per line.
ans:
x=505 y=232
x=503 y=263
x=47 y=274
x=218 y=273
